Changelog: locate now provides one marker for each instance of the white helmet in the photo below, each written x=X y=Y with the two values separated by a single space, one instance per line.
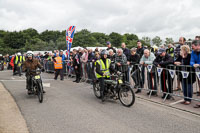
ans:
x=29 y=53
x=19 y=54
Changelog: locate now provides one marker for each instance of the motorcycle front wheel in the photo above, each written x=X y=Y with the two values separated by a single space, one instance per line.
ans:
x=40 y=92
x=126 y=96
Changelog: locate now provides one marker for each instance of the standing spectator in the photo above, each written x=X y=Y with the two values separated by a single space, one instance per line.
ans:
x=187 y=83
x=181 y=42
x=140 y=52
x=163 y=60
x=147 y=59
x=111 y=55
x=84 y=59
x=140 y=49
x=58 y=67
x=63 y=61
x=195 y=60
x=109 y=45
x=91 y=59
x=120 y=58
x=126 y=51
x=96 y=50
x=77 y=65
x=133 y=61
x=197 y=37
x=170 y=50
x=121 y=63
x=19 y=59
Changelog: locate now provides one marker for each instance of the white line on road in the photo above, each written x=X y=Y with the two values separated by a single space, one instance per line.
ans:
x=24 y=80
x=46 y=84
x=177 y=102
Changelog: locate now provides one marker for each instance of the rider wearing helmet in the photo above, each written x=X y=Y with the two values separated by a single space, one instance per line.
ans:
x=29 y=65
x=103 y=71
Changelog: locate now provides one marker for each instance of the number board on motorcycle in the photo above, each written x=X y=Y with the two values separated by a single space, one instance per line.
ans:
x=120 y=81
x=37 y=77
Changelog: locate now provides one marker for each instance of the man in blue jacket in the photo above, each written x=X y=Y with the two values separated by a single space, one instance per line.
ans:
x=63 y=61
x=195 y=59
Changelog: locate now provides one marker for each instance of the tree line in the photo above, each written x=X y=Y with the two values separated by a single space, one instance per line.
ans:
x=48 y=40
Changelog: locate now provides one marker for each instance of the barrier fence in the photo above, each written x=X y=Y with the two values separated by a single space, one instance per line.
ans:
x=155 y=80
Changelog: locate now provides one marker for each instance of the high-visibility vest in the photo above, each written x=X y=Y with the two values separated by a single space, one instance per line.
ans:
x=58 y=63
x=103 y=68
x=20 y=60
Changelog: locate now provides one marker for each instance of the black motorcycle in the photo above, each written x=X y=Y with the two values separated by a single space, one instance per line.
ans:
x=116 y=89
x=37 y=86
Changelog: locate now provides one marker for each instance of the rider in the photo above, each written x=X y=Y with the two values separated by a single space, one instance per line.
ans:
x=30 y=64
x=103 y=71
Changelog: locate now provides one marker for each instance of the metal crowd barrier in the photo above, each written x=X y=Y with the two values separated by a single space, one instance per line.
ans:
x=165 y=80
x=149 y=78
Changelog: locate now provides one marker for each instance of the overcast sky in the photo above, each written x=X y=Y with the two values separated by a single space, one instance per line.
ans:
x=164 y=18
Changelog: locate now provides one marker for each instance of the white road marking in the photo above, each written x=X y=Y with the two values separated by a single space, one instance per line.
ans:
x=24 y=80
x=46 y=84
x=177 y=102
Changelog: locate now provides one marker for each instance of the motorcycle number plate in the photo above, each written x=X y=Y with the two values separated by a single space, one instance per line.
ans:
x=37 y=77
x=120 y=81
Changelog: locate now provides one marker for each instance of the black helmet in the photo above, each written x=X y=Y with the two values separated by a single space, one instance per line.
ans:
x=104 y=52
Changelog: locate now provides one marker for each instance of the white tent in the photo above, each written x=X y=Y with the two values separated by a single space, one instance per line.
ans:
x=76 y=48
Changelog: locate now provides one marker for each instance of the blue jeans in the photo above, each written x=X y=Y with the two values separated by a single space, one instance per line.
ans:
x=187 y=91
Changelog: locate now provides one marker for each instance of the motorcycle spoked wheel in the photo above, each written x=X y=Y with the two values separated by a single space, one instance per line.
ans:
x=126 y=96
x=96 y=89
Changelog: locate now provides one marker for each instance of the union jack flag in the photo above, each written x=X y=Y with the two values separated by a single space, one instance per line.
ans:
x=69 y=38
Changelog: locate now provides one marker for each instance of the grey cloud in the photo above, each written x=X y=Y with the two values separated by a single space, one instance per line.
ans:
x=166 y=18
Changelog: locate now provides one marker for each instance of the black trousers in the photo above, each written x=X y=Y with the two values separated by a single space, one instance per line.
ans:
x=78 y=72
x=102 y=86
x=29 y=82
x=152 y=80
x=15 y=69
x=166 y=80
x=59 y=72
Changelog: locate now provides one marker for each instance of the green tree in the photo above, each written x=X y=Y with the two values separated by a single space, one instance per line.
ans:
x=48 y=36
x=15 y=39
x=100 y=37
x=157 y=41
x=116 y=39
x=147 y=40
x=32 y=33
x=168 y=40
x=84 y=38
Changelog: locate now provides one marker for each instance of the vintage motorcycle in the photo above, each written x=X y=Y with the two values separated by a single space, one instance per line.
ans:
x=116 y=89
x=37 y=86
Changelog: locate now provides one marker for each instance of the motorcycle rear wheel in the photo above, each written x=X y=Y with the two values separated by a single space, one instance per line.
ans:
x=96 y=89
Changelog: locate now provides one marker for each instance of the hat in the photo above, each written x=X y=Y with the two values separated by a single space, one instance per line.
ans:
x=61 y=50
x=108 y=43
x=161 y=50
